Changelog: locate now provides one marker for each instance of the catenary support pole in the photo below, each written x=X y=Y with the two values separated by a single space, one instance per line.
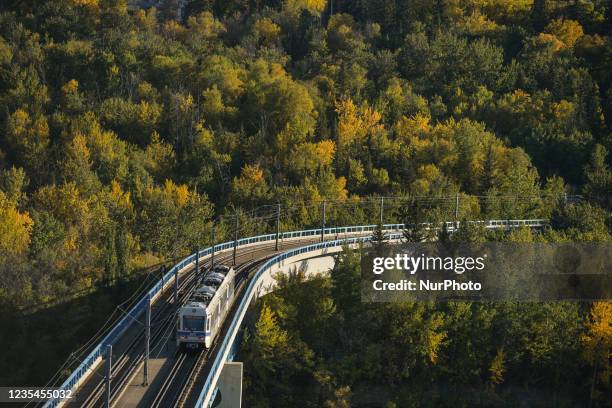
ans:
x=176 y=305
x=197 y=265
x=176 y=287
x=212 y=254
x=278 y=210
x=109 y=369
x=323 y=223
x=235 y=239
x=162 y=273
x=147 y=340
x=457 y=207
x=382 y=209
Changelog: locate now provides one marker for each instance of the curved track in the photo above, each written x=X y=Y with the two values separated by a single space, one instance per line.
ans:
x=178 y=388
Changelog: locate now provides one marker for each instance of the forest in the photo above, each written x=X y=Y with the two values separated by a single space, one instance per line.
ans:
x=127 y=132
x=314 y=343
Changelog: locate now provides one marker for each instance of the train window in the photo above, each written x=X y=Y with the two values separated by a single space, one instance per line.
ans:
x=193 y=323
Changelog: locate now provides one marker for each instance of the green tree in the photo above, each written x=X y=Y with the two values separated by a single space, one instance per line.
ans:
x=28 y=138
x=346 y=282
x=598 y=176
x=379 y=240
x=13 y=183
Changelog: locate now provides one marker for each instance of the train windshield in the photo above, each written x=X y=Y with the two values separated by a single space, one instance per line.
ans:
x=193 y=323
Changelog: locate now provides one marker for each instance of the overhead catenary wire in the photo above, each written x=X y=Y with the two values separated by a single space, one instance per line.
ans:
x=101 y=332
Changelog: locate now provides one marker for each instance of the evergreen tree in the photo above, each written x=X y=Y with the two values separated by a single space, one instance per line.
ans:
x=598 y=187
x=379 y=240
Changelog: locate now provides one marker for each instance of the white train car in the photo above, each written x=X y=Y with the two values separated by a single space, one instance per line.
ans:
x=201 y=318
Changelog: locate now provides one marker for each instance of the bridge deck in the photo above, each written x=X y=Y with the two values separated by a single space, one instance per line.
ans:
x=138 y=395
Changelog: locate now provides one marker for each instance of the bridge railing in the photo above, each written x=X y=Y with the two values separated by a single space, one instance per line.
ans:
x=94 y=357
x=207 y=394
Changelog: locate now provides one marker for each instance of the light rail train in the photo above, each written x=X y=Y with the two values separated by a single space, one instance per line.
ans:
x=201 y=317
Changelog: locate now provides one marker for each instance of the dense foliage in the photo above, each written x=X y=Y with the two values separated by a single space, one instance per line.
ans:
x=314 y=343
x=125 y=131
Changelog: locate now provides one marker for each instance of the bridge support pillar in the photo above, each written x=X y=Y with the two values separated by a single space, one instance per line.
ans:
x=230 y=385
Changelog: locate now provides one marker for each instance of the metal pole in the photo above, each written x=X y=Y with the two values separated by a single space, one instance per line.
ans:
x=323 y=224
x=212 y=256
x=197 y=268
x=382 y=209
x=162 y=272
x=235 y=238
x=457 y=207
x=176 y=305
x=175 y=287
x=278 y=209
x=147 y=340
x=109 y=367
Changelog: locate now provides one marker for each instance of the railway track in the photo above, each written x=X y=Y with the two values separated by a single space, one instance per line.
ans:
x=179 y=383
x=174 y=381
x=131 y=357
x=125 y=366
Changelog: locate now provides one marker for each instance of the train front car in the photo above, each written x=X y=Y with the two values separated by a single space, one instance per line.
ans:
x=201 y=317
x=191 y=325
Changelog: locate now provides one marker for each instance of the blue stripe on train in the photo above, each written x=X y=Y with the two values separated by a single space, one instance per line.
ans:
x=191 y=333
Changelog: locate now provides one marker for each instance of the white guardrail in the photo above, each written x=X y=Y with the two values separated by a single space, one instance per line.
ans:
x=95 y=356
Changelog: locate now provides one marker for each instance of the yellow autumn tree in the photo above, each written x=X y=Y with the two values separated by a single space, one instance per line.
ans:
x=15 y=229
x=568 y=31
x=203 y=28
x=354 y=125
x=28 y=137
x=307 y=158
x=251 y=187
x=314 y=6
x=77 y=165
x=64 y=202
x=597 y=341
x=267 y=31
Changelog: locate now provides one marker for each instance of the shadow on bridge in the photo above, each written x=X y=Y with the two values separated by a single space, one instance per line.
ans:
x=34 y=344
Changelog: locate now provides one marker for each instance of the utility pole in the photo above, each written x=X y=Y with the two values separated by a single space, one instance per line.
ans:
x=278 y=209
x=382 y=209
x=457 y=207
x=323 y=224
x=235 y=237
x=162 y=272
x=176 y=287
x=197 y=266
x=212 y=255
x=176 y=305
x=147 y=340
x=109 y=367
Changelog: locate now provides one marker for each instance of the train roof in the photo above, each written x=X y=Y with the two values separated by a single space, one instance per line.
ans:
x=221 y=268
x=208 y=284
x=214 y=275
